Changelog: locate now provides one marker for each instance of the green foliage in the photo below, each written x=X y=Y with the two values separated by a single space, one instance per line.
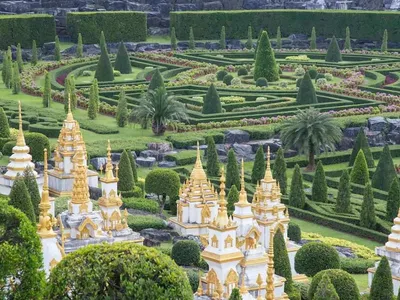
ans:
x=192 y=45
x=297 y=197
x=79 y=46
x=125 y=174
x=294 y=232
x=174 y=43
x=19 y=60
x=360 y=173
x=20 y=198
x=325 y=290
x=343 y=204
x=233 y=197
x=46 y=100
x=232 y=171
x=4 y=127
x=382 y=285
x=262 y=82
x=356 y=265
x=347 y=42
x=21 y=255
x=258 y=171
x=212 y=158
x=344 y=284
x=57 y=50
x=333 y=54
x=222 y=39
x=16 y=80
x=104 y=70
x=249 y=43
x=393 y=200
x=185 y=253
x=235 y=295
x=120 y=263
x=265 y=64
x=227 y=79
x=367 y=214
x=134 y=168
x=362 y=143
x=242 y=72
x=212 y=103
x=281 y=260
x=122 y=110
x=319 y=187
x=156 y=81
x=193 y=277
x=221 y=74
x=313 y=41
x=313 y=73
x=142 y=204
x=33 y=190
x=384 y=46
x=92 y=107
x=279 y=171
x=385 y=171
x=122 y=61
x=67 y=95
x=6 y=71
x=278 y=38
x=306 y=93
x=138 y=222
x=74 y=98
x=117 y=26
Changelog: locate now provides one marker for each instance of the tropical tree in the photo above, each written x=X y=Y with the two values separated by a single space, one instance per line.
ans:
x=309 y=132
x=161 y=109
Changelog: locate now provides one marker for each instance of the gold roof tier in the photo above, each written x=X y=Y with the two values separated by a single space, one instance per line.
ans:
x=268 y=174
x=198 y=173
x=80 y=190
x=20 y=137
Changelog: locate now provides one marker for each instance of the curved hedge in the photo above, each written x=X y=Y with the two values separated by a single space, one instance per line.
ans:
x=50 y=130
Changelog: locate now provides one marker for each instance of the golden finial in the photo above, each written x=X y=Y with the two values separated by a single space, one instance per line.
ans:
x=222 y=218
x=108 y=175
x=20 y=137
x=270 y=272
x=259 y=281
x=116 y=170
x=200 y=288
x=70 y=117
x=243 y=193
x=243 y=289
x=268 y=173
x=198 y=171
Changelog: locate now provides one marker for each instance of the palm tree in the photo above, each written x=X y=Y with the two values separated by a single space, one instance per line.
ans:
x=309 y=132
x=160 y=108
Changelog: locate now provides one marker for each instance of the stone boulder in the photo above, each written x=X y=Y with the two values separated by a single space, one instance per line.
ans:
x=146 y=162
x=222 y=149
x=351 y=132
x=151 y=153
x=377 y=123
x=167 y=164
x=116 y=156
x=346 y=143
x=215 y=5
x=375 y=138
x=233 y=136
x=95 y=193
x=394 y=138
x=156 y=235
x=243 y=151
x=273 y=144
x=394 y=124
x=161 y=147
x=98 y=162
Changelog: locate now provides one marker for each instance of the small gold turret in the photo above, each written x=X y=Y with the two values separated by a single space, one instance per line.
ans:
x=268 y=174
x=198 y=173
x=243 y=193
x=222 y=220
x=270 y=272
x=259 y=283
x=70 y=117
x=80 y=190
x=20 y=137
x=109 y=175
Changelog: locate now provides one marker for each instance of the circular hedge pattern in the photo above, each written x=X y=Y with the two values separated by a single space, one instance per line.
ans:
x=186 y=253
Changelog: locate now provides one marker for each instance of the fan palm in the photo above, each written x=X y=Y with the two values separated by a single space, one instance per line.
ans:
x=160 y=108
x=309 y=132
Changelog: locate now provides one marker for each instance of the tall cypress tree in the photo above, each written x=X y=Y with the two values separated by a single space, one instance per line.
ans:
x=92 y=108
x=174 y=43
x=325 y=290
x=57 y=50
x=232 y=171
x=249 y=43
x=67 y=94
x=233 y=197
x=393 y=200
x=19 y=198
x=191 y=39
x=367 y=213
x=278 y=38
x=384 y=46
x=281 y=260
x=343 y=204
x=20 y=62
x=258 y=42
x=222 y=39
x=122 y=61
x=8 y=66
x=33 y=190
x=122 y=110
x=347 y=42
x=34 y=58
x=96 y=93
x=4 y=127
x=279 y=171
x=306 y=93
x=104 y=70
x=258 y=171
x=156 y=81
x=212 y=158
x=362 y=143
x=16 y=80
x=133 y=165
x=385 y=171
x=265 y=64
x=360 y=173
x=297 y=197
x=4 y=69
x=212 y=103
x=333 y=54
x=382 y=284
x=46 y=99
x=74 y=98
x=125 y=175
x=313 y=40
x=319 y=187
x=79 y=46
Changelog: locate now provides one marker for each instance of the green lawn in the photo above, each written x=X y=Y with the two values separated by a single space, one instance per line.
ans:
x=362 y=281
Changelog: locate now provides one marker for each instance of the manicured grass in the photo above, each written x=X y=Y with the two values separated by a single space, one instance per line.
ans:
x=4 y=161
x=362 y=281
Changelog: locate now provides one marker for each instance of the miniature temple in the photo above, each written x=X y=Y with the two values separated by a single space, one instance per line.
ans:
x=69 y=142
x=197 y=204
x=392 y=252
x=19 y=161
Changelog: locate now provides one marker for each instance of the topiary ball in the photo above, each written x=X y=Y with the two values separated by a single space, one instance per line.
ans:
x=319 y=76
x=221 y=74
x=294 y=232
x=262 y=82
x=242 y=72
x=315 y=257
x=228 y=79
x=344 y=284
x=186 y=253
x=313 y=73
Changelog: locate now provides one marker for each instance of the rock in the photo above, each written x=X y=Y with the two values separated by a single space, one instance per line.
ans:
x=144 y=47
x=234 y=44
x=167 y=164
x=92 y=49
x=222 y=149
x=290 y=153
x=351 y=132
x=161 y=147
x=243 y=151
x=215 y=5
x=273 y=144
x=298 y=37
x=151 y=153
x=201 y=147
x=375 y=138
x=345 y=252
x=98 y=162
x=151 y=243
x=236 y=136
x=211 y=46
x=394 y=137
x=377 y=123
x=134 y=155
x=48 y=48
x=394 y=124
x=116 y=156
x=346 y=143
x=146 y=162
x=95 y=193
x=156 y=235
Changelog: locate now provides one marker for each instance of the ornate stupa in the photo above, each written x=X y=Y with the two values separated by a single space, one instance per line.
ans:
x=51 y=248
x=19 y=160
x=197 y=204
x=69 y=142
x=80 y=225
x=392 y=252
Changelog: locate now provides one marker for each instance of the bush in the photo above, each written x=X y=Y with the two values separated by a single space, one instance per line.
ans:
x=393 y=200
x=343 y=282
x=227 y=79
x=297 y=197
x=232 y=171
x=306 y=93
x=313 y=73
x=302 y=288
x=138 y=223
x=325 y=290
x=87 y=73
x=193 y=280
x=7 y=148
x=185 y=253
x=126 y=182
x=122 y=62
x=319 y=187
x=236 y=81
x=309 y=261
x=242 y=72
x=360 y=173
x=121 y=263
x=258 y=171
x=382 y=285
x=262 y=82
x=362 y=143
x=265 y=63
x=141 y=204
x=4 y=128
x=333 y=54
x=356 y=265
x=294 y=232
x=116 y=73
x=299 y=71
x=384 y=172
x=37 y=142
x=298 y=82
x=320 y=76
x=212 y=102
x=137 y=192
x=221 y=74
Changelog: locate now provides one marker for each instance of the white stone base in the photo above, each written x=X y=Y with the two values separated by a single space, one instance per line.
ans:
x=188 y=229
x=62 y=184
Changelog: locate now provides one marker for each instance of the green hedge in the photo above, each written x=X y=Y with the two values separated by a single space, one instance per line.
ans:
x=356 y=265
x=118 y=26
x=183 y=158
x=23 y=29
x=141 y=204
x=51 y=130
x=327 y=22
x=138 y=223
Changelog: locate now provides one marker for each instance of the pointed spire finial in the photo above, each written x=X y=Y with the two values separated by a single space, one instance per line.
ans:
x=198 y=171
x=70 y=117
x=268 y=173
x=243 y=193
x=109 y=176
x=20 y=137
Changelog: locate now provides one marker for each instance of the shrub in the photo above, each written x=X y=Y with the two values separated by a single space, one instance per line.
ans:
x=328 y=76
x=46 y=100
x=325 y=290
x=120 y=263
x=278 y=38
x=33 y=190
x=4 y=127
x=212 y=103
x=343 y=204
x=333 y=54
x=185 y=253
x=265 y=64
x=141 y=204
x=313 y=42
x=221 y=74
x=319 y=187
x=133 y=166
x=156 y=81
x=362 y=143
x=7 y=148
x=262 y=82
x=233 y=197
x=235 y=295
x=122 y=110
x=367 y=214
x=320 y=76
x=232 y=171
x=382 y=285
x=92 y=107
x=309 y=261
x=343 y=282
x=212 y=158
x=79 y=47
x=384 y=45
x=193 y=277
x=393 y=200
x=306 y=93
x=347 y=42
x=249 y=43
x=360 y=173
x=384 y=172
x=236 y=81
x=279 y=171
x=116 y=73
x=258 y=171
x=20 y=199
x=313 y=73
x=227 y=79
x=57 y=50
x=356 y=265
x=125 y=174
x=122 y=62
x=242 y=72
x=138 y=223
x=302 y=288
x=281 y=260
x=299 y=71
x=297 y=197
x=104 y=70
x=222 y=40
x=294 y=232
x=192 y=44
x=298 y=82
x=174 y=43
x=37 y=142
